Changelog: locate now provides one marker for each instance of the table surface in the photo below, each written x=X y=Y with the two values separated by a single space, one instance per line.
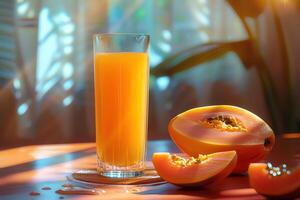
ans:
x=30 y=168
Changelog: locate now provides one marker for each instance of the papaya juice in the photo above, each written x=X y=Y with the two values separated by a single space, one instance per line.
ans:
x=121 y=106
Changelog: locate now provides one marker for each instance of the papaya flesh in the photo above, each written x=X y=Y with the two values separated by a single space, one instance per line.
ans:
x=198 y=171
x=275 y=182
x=211 y=129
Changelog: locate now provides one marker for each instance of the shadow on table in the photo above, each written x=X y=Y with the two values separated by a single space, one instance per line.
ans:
x=24 y=188
x=46 y=162
x=235 y=186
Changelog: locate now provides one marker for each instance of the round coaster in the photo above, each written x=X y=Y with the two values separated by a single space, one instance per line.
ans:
x=149 y=177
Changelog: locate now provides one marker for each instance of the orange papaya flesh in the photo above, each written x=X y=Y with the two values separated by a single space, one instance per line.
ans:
x=275 y=181
x=211 y=129
x=198 y=171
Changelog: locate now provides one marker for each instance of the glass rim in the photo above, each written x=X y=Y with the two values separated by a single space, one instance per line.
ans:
x=119 y=34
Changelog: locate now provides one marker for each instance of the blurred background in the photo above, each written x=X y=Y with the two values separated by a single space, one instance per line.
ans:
x=203 y=52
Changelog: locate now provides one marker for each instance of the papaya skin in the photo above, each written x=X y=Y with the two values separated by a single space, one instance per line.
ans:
x=216 y=167
x=244 y=157
x=252 y=143
x=278 y=187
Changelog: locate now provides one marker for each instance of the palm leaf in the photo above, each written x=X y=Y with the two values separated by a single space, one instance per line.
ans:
x=190 y=58
x=252 y=9
x=246 y=8
x=245 y=50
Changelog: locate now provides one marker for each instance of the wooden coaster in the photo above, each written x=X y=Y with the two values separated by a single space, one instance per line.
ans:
x=149 y=176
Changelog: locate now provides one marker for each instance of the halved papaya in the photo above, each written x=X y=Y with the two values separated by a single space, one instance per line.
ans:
x=202 y=170
x=274 y=181
x=212 y=129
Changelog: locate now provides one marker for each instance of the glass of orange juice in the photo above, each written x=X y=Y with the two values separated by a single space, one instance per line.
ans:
x=121 y=71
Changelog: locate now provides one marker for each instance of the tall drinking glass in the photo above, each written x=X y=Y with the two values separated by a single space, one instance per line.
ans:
x=121 y=68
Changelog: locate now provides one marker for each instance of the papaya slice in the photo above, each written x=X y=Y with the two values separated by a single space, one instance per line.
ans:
x=274 y=181
x=211 y=129
x=194 y=171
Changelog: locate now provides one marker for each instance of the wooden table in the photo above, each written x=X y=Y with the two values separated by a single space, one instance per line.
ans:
x=30 y=168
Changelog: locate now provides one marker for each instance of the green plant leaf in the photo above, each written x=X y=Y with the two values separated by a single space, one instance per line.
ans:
x=190 y=58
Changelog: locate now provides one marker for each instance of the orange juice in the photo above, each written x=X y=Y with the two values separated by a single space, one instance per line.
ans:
x=121 y=103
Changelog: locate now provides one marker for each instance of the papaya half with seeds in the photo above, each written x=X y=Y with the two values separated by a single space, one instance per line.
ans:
x=194 y=171
x=275 y=182
x=211 y=129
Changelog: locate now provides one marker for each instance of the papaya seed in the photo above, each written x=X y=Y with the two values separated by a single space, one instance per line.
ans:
x=277 y=170
x=225 y=123
x=182 y=162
